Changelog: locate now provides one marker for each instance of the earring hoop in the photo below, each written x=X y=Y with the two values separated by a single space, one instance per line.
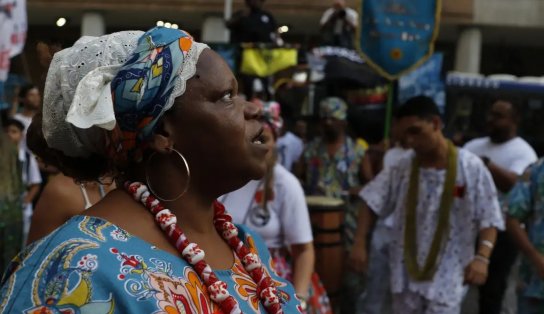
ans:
x=148 y=180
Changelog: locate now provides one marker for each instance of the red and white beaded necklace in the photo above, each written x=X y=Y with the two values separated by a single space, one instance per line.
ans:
x=217 y=289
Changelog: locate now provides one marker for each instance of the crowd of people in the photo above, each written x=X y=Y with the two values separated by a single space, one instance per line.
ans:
x=147 y=182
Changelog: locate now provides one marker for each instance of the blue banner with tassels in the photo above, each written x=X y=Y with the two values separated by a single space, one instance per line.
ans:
x=396 y=36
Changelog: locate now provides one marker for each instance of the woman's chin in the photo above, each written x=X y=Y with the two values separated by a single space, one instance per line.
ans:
x=259 y=171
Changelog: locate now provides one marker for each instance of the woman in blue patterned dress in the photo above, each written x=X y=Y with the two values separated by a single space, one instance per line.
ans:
x=161 y=109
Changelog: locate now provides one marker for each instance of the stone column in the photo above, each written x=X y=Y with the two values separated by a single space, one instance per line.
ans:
x=227 y=14
x=214 y=30
x=469 y=50
x=93 y=24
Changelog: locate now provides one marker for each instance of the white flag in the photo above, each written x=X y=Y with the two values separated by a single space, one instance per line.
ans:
x=20 y=26
x=6 y=27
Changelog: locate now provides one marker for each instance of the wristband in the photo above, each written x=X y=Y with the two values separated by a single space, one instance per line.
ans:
x=482 y=259
x=487 y=243
x=303 y=302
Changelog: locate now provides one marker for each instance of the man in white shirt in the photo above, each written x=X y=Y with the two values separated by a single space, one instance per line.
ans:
x=290 y=148
x=377 y=295
x=338 y=24
x=441 y=199
x=30 y=99
x=506 y=155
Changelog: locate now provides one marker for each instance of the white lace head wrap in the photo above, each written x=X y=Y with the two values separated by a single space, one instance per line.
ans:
x=123 y=83
x=78 y=74
x=146 y=86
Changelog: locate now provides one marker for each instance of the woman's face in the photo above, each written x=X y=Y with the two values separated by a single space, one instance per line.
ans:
x=219 y=133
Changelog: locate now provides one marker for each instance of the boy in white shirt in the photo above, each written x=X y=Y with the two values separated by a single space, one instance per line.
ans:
x=30 y=173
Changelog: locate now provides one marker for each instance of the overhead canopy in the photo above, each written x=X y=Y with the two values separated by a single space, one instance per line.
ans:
x=342 y=66
x=502 y=83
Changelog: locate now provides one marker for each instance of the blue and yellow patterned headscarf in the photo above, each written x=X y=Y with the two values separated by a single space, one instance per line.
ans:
x=333 y=107
x=147 y=85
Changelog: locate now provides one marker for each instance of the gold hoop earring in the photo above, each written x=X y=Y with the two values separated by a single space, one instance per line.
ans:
x=148 y=181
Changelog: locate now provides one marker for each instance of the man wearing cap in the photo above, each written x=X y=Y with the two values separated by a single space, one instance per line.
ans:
x=332 y=167
x=332 y=161
x=441 y=198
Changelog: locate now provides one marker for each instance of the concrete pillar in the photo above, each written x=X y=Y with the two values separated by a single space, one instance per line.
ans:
x=469 y=51
x=214 y=30
x=227 y=14
x=93 y=24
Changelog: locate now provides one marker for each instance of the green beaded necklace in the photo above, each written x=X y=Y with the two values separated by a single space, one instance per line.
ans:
x=410 y=230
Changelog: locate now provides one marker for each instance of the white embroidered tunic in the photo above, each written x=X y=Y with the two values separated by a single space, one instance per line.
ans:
x=475 y=207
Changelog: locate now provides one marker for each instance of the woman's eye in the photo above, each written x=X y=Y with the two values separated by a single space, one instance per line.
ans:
x=227 y=97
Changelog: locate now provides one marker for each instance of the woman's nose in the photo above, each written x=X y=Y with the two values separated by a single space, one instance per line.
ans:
x=252 y=110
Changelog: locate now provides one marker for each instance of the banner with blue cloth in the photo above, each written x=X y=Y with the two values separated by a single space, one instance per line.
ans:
x=425 y=80
x=396 y=36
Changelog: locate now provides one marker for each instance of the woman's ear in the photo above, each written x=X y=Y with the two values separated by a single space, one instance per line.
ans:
x=162 y=140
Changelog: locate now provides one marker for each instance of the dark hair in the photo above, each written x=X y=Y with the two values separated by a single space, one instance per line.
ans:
x=37 y=144
x=80 y=168
x=16 y=123
x=4 y=116
x=420 y=106
x=25 y=89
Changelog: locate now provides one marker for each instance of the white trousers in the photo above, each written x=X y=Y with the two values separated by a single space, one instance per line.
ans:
x=412 y=303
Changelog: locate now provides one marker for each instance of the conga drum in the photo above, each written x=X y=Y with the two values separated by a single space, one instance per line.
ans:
x=327 y=218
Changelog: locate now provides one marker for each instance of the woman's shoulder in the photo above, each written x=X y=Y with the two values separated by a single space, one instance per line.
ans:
x=49 y=213
x=78 y=234
x=51 y=267
x=62 y=187
x=92 y=264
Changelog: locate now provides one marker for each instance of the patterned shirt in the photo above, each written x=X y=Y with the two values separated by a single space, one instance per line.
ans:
x=475 y=207
x=92 y=266
x=526 y=203
x=332 y=176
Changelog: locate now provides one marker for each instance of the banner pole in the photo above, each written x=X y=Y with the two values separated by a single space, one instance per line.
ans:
x=388 y=113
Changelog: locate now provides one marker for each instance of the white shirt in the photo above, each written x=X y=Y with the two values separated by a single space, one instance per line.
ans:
x=290 y=148
x=31 y=172
x=26 y=121
x=394 y=155
x=351 y=15
x=475 y=207
x=514 y=155
x=289 y=219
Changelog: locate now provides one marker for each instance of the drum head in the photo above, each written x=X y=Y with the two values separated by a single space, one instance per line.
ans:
x=323 y=201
